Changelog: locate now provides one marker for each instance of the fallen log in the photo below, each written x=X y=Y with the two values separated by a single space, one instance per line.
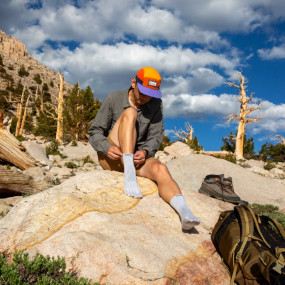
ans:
x=12 y=152
x=15 y=183
x=221 y=154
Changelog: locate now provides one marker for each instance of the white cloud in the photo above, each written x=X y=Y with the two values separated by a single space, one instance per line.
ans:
x=277 y=52
x=225 y=16
x=110 y=67
x=199 y=106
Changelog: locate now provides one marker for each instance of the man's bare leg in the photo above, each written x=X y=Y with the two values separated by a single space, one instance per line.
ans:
x=123 y=134
x=169 y=191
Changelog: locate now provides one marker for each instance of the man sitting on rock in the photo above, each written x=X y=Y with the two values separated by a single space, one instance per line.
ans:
x=127 y=132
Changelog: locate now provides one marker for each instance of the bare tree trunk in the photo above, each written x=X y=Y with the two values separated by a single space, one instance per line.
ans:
x=59 y=130
x=19 y=112
x=24 y=116
x=241 y=124
x=244 y=111
x=42 y=102
x=36 y=97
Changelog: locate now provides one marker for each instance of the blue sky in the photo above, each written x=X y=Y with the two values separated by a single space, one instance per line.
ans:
x=197 y=46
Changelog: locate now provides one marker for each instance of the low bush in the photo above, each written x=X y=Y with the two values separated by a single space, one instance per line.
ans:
x=87 y=159
x=269 y=165
x=39 y=270
x=70 y=165
x=270 y=211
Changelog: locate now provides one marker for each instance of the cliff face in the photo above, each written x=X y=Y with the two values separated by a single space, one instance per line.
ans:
x=14 y=56
x=12 y=47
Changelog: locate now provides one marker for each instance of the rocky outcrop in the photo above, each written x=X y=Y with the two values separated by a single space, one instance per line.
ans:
x=12 y=47
x=114 y=239
x=14 y=55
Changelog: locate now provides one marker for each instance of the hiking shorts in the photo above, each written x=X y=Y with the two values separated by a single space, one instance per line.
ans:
x=115 y=165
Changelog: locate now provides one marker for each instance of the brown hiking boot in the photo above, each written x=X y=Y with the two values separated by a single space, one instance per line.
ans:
x=219 y=187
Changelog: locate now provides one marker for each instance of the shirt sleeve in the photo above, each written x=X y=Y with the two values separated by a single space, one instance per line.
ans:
x=100 y=127
x=154 y=134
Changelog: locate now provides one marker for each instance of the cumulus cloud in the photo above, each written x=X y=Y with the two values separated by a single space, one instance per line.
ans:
x=110 y=67
x=277 y=52
x=226 y=16
x=199 y=107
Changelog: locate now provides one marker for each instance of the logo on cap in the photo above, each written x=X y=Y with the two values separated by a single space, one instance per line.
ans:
x=152 y=83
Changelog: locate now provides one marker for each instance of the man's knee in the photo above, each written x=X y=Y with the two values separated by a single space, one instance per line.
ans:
x=130 y=115
x=160 y=169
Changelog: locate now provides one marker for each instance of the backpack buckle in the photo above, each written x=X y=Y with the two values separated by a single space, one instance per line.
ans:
x=278 y=267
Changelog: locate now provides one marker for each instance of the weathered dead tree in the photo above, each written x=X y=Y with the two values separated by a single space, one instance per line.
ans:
x=59 y=130
x=24 y=116
x=19 y=112
x=281 y=138
x=12 y=151
x=187 y=135
x=244 y=111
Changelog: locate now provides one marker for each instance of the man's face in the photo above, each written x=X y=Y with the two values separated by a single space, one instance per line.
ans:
x=140 y=98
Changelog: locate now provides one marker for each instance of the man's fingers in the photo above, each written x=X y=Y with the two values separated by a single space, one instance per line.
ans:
x=114 y=152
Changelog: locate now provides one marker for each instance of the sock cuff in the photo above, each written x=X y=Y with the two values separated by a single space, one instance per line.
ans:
x=176 y=199
x=128 y=155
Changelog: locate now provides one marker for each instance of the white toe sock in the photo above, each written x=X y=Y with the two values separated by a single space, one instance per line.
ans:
x=188 y=220
x=130 y=186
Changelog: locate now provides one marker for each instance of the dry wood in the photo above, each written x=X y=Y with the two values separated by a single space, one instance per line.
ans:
x=244 y=111
x=59 y=130
x=11 y=151
x=13 y=183
x=19 y=112
x=24 y=116
x=187 y=135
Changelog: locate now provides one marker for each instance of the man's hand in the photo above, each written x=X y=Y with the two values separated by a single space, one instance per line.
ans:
x=114 y=152
x=139 y=157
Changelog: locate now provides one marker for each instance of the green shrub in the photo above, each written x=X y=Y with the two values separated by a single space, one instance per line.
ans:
x=70 y=165
x=2 y=215
x=23 y=72
x=74 y=143
x=11 y=67
x=228 y=157
x=37 y=79
x=20 y=138
x=39 y=270
x=52 y=148
x=270 y=211
x=269 y=165
x=87 y=159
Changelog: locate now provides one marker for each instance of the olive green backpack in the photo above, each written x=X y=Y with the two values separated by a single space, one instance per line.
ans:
x=252 y=246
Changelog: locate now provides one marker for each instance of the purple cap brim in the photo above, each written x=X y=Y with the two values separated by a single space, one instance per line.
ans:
x=149 y=92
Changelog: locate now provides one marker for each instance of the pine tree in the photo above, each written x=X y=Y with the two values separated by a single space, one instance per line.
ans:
x=80 y=108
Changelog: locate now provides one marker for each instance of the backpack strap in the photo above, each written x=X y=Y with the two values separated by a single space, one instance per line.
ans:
x=257 y=226
x=247 y=226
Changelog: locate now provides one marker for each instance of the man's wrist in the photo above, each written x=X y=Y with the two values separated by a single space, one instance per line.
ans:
x=146 y=152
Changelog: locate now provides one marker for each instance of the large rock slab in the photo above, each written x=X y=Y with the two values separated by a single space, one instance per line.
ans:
x=114 y=239
x=189 y=172
x=80 y=151
x=37 y=151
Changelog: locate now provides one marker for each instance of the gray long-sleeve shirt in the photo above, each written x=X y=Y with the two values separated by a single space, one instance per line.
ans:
x=149 y=124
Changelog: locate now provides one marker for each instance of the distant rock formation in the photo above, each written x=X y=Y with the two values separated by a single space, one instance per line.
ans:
x=14 y=55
